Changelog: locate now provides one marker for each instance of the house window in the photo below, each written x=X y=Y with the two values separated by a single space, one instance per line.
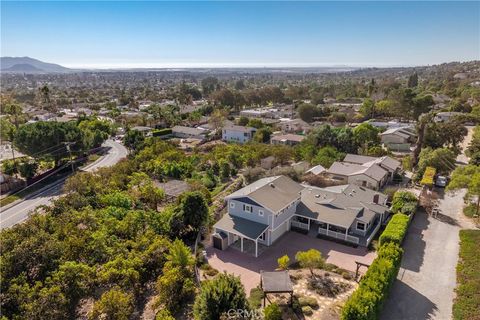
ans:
x=360 y=226
x=247 y=208
x=232 y=204
x=260 y=213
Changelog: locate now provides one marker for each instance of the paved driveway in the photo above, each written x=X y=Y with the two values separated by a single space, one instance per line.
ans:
x=426 y=281
x=249 y=267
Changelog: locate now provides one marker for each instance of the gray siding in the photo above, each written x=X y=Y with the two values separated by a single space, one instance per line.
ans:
x=254 y=215
x=286 y=215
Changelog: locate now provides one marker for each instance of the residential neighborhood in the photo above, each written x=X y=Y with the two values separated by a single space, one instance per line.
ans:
x=240 y=160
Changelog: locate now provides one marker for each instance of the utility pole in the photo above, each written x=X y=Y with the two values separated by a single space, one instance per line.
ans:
x=70 y=154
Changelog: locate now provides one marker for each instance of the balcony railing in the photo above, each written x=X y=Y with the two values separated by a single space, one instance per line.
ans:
x=338 y=235
x=299 y=225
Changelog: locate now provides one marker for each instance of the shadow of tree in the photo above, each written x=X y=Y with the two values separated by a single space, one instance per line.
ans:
x=414 y=244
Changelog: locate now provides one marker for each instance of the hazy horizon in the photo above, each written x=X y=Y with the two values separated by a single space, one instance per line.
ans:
x=122 y=35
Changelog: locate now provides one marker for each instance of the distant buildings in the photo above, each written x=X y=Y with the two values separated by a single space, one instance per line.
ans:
x=445 y=116
x=188 y=132
x=287 y=139
x=238 y=134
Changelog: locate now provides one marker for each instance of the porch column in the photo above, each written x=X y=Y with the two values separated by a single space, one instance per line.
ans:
x=241 y=244
x=256 y=248
x=346 y=233
x=308 y=224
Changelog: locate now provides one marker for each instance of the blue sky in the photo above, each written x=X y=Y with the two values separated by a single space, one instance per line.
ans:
x=156 y=34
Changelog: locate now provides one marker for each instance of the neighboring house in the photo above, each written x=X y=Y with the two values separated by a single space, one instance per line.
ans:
x=391 y=165
x=372 y=177
x=146 y=131
x=398 y=139
x=294 y=126
x=364 y=171
x=238 y=134
x=287 y=139
x=397 y=136
x=445 y=116
x=188 y=132
x=263 y=211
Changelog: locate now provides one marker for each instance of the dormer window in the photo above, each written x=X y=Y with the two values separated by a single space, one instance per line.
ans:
x=247 y=208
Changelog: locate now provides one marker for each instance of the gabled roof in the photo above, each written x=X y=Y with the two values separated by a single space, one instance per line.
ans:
x=367 y=161
x=288 y=137
x=374 y=171
x=340 y=205
x=401 y=132
x=273 y=193
x=239 y=128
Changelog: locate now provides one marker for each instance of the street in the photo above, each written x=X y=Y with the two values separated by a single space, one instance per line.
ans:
x=20 y=211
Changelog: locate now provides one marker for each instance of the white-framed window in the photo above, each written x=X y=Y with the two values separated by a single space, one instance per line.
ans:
x=247 y=208
x=260 y=213
x=232 y=204
x=361 y=226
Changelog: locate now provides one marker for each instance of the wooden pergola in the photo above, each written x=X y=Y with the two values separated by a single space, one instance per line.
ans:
x=275 y=282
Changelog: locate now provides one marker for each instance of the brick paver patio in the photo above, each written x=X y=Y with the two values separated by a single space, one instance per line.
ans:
x=249 y=267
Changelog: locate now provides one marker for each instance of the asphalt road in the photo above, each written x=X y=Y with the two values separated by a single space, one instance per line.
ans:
x=20 y=211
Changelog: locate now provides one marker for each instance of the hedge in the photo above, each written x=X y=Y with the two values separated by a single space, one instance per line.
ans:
x=404 y=202
x=161 y=132
x=467 y=302
x=367 y=301
x=395 y=230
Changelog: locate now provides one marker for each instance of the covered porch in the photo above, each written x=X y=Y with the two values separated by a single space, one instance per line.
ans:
x=242 y=234
x=316 y=227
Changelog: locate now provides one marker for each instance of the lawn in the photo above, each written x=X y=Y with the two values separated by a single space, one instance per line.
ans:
x=467 y=302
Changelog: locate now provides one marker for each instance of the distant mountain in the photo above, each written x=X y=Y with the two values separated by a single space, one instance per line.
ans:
x=26 y=64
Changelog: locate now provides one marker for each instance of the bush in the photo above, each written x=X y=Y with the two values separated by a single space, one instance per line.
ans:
x=272 y=312
x=161 y=132
x=308 y=301
x=255 y=299
x=367 y=301
x=395 y=230
x=283 y=262
x=218 y=296
x=467 y=302
x=307 y=310
x=404 y=202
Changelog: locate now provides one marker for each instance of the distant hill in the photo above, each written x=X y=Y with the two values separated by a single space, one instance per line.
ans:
x=26 y=64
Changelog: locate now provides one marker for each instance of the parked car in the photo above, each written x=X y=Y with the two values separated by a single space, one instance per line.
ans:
x=441 y=181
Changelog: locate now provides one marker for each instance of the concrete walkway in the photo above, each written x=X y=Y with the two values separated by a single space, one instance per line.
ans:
x=427 y=278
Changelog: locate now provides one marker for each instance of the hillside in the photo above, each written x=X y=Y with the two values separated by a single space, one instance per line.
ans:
x=26 y=64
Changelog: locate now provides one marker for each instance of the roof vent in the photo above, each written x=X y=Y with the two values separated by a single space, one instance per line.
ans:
x=317 y=196
x=272 y=185
x=350 y=194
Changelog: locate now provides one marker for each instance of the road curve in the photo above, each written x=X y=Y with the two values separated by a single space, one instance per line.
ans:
x=20 y=211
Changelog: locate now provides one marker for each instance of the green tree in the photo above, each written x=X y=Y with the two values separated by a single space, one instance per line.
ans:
x=326 y=156
x=193 y=209
x=310 y=259
x=174 y=288
x=367 y=109
x=134 y=140
x=467 y=177
x=113 y=305
x=263 y=135
x=413 y=80
x=366 y=135
x=219 y=295
x=179 y=255
x=243 y=121
x=28 y=169
x=307 y=112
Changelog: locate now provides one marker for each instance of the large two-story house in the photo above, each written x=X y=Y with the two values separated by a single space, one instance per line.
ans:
x=263 y=211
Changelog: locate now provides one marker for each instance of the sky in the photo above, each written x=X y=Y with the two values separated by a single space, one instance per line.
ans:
x=243 y=34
